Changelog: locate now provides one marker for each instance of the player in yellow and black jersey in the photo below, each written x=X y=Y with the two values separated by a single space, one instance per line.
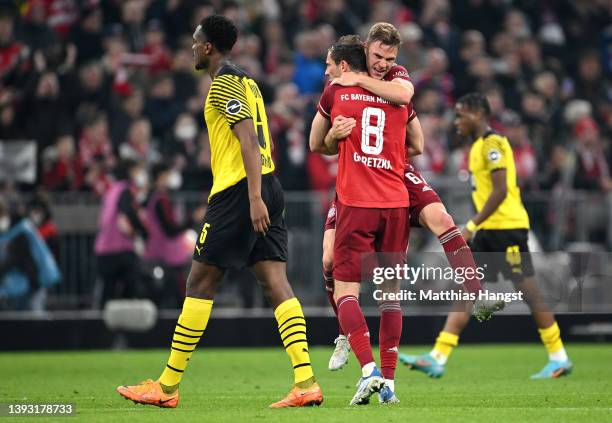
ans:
x=500 y=225
x=234 y=97
x=243 y=227
x=501 y=221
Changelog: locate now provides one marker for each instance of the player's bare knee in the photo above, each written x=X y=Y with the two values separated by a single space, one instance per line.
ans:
x=203 y=281
x=202 y=287
x=272 y=277
x=439 y=221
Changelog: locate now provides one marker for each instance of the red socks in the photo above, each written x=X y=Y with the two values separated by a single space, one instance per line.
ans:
x=460 y=255
x=389 y=337
x=354 y=325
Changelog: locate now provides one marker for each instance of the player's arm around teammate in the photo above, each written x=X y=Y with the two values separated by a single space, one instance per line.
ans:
x=398 y=91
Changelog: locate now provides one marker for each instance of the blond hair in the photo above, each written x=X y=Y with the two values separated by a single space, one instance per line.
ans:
x=386 y=33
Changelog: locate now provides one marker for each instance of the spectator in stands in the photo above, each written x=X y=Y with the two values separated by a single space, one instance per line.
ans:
x=161 y=107
x=158 y=55
x=14 y=55
x=94 y=140
x=128 y=106
x=182 y=145
x=438 y=27
x=167 y=245
x=47 y=109
x=60 y=15
x=472 y=46
x=435 y=75
x=287 y=130
x=185 y=83
x=35 y=32
x=39 y=211
x=139 y=146
x=10 y=127
x=591 y=175
x=119 y=227
x=591 y=85
x=93 y=87
x=27 y=267
x=339 y=15
x=133 y=13
x=61 y=166
x=98 y=176
x=309 y=67
x=537 y=118
x=524 y=155
x=86 y=35
x=433 y=160
x=412 y=54
x=197 y=174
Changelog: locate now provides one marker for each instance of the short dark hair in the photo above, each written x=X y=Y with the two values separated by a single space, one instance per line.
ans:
x=351 y=53
x=124 y=167
x=350 y=39
x=220 y=32
x=159 y=168
x=476 y=102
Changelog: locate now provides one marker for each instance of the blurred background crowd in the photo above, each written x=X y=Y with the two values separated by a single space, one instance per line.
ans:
x=102 y=86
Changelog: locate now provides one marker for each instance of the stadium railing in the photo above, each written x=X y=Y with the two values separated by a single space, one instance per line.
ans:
x=561 y=220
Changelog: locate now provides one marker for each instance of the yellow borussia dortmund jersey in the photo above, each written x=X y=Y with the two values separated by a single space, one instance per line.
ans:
x=234 y=97
x=489 y=153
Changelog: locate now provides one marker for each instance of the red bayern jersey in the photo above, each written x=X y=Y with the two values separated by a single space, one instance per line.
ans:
x=371 y=159
x=397 y=72
x=400 y=72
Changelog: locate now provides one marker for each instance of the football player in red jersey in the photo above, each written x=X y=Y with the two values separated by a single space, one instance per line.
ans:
x=426 y=208
x=372 y=200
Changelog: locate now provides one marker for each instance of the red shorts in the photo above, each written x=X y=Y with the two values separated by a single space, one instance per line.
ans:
x=361 y=232
x=420 y=193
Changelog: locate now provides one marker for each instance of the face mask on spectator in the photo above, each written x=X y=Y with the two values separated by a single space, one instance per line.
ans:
x=5 y=222
x=175 y=180
x=185 y=132
x=141 y=179
x=36 y=217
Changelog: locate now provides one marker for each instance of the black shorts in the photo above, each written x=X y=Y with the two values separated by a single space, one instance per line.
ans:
x=228 y=240
x=504 y=251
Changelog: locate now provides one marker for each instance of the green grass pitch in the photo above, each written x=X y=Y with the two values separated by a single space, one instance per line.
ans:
x=482 y=384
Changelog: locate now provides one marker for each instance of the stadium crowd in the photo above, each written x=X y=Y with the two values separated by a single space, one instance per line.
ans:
x=94 y=82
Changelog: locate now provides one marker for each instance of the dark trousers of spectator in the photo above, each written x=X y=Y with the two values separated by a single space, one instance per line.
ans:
x=120 y=275
x=169 y=291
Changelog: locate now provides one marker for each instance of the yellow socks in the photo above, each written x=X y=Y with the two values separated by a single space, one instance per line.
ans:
x=445 y=343
x=551 y=338
x=189 y=328
x=292 y=328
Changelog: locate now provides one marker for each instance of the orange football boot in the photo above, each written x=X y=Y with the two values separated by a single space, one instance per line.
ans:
x=301 y=397
x=149 y=392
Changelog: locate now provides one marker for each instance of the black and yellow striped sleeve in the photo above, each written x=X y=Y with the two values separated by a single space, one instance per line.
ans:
x=228 y=96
